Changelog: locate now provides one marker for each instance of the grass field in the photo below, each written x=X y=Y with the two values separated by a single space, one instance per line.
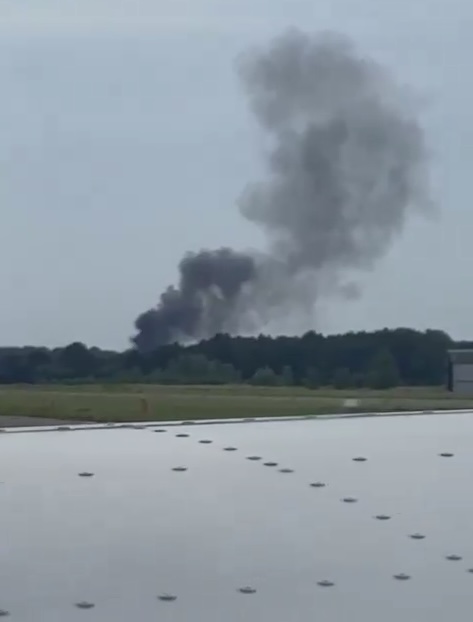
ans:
x=153 y=402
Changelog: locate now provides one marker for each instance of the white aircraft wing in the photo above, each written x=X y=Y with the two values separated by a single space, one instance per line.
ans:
x=360 y=519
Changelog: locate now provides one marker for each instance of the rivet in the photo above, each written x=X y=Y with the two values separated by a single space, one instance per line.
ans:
x=205 y=441
x=160 y=430
x=182 y=435
x=86 y=474
x=453 y=558
x=349 y=500
x=167 y=597
x=85 y=605
x=325 y=583
x=254 y=458
x=229 y=449
x=180 y=469
x=247 y=590
x=188 y=422
x=470 y=570
x=446 y=454
x=417 y=536
x=4 y=613
x=318 y=485
x=270 y=464
x=382 y=517
x=359 y=459
x=402 y=577
x=286 y=470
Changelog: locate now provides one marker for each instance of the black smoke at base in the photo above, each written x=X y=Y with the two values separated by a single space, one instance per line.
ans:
x=204 y=301
x=346 y=168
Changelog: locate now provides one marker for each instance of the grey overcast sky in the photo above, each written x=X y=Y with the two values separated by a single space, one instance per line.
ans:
x=125 y=140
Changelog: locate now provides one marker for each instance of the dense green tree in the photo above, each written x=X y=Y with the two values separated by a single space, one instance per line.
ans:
x=381 y=359
x=312 y=378
x=342 y=378
x=383 y=373
x=78 y=360
x=265 y=377
x=287 y=377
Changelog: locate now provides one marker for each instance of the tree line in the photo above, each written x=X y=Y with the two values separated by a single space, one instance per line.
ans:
x=379 y=359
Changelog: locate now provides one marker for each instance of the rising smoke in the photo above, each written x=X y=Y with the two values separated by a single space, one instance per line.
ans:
x=346 y=167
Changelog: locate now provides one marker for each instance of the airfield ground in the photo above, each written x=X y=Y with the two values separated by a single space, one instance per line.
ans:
x=121 y=403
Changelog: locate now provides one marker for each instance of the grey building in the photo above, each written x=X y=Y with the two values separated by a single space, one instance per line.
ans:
x=460 y=371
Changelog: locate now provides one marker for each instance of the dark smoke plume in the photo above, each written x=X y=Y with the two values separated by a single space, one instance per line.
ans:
x=346 y=167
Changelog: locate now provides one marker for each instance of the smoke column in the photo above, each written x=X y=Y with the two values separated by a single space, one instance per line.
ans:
x=345 y=169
